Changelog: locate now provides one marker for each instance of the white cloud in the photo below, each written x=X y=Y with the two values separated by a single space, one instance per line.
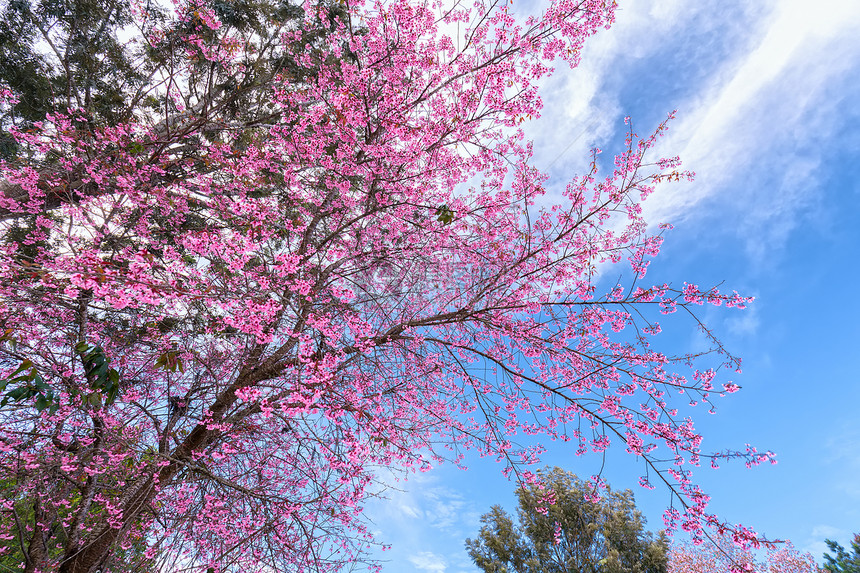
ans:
x=815 y=543
x=422 y=519
x=428 y=561
x=745 y=324
x=581 y=106
x=751 y=133
x=447 y=510
x=827 y=532
x=759 y=88
x=409 y=510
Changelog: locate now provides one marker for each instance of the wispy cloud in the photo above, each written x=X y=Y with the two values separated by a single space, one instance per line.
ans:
x=584 y=107
x=752 y=134
x=843 y=451
x=418 y=516
x=428 y=561
x=448 y=510
x=816 y=545
x=760 y=89
x=422 y=500
x=745 y=324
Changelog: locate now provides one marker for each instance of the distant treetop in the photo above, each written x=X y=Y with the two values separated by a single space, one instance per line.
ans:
x=562 y=528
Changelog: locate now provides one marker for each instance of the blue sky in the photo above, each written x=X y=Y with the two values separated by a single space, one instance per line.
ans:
x=768 y=100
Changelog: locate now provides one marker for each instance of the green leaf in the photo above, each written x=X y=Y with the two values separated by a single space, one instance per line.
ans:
x=40 y=384
x=19 y=393
x=24 y=365
x=170 y=361
x=111 y=395
x=94 y=399
x=101 y=371
x=444 y=215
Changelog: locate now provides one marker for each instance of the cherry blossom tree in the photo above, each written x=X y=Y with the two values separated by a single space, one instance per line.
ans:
x=216 y=324
x=725 y=556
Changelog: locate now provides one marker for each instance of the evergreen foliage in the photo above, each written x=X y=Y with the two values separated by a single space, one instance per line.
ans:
x=842 y=561
x=575 y=534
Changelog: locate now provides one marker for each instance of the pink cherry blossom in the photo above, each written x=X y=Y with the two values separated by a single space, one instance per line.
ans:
x=208 y=356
